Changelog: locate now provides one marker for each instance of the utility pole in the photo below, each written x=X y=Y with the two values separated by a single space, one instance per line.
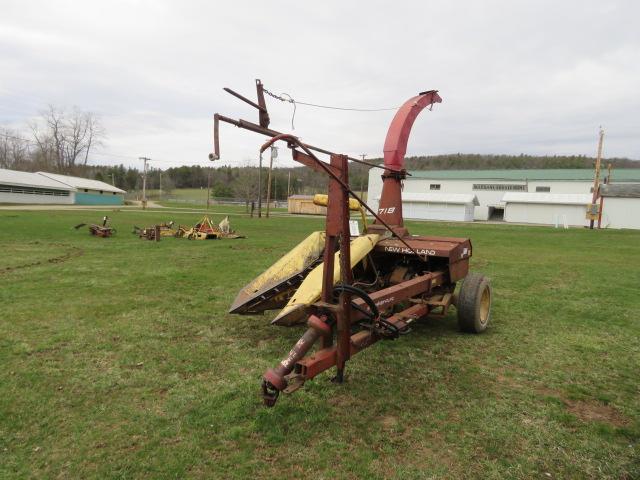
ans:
x=596 y=179
x=160 y=186
x=607 y=181
x=208 y=188
x=274 y=154
x=362 y=181
x=144 y=181
x=289 y=185
x=260 y=187
x=113 y=180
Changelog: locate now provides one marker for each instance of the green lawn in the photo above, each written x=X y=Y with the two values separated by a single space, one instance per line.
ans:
x=120 y=361
x=194 y=198
x=199 y=194
x=221 y=208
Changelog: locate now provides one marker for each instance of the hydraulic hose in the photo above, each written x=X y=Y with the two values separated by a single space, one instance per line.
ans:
x=364 y=296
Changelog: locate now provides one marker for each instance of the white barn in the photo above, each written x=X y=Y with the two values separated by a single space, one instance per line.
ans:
x=568 y=209
x=32 y=188
x=49 y=188
x=89 y=192
x=490 y=186
x=621 y=205
x=457 y=207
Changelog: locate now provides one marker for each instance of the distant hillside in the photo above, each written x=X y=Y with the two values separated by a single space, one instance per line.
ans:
x=466 y=161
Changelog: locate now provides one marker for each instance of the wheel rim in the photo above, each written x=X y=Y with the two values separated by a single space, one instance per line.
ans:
x=485 y=306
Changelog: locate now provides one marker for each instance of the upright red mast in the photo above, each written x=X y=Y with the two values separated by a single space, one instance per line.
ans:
x=395 y=147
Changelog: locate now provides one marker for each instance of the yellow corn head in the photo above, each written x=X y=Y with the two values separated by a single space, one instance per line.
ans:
x=295 y=281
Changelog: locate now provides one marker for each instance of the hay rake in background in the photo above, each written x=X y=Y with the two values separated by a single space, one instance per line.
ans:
x=205 y=229
x=99 y=230
x=156 y=232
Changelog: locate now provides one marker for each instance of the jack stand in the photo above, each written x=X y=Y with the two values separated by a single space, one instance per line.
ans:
x=339 y=378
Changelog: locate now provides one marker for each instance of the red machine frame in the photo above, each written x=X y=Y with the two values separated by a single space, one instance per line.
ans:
x=437 y=262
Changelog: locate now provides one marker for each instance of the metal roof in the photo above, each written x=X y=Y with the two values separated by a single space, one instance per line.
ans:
x=429 y=197
x=78 y=182
x=564 y=174
x=28 y=179
x=547 y=198
x=621 y=190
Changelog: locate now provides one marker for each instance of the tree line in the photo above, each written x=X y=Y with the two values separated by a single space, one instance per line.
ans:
x=63 y=140
x=242 y=182
x=469 y=161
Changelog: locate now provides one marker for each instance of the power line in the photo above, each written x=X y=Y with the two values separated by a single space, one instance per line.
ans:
x=107 y=154
x=295 y=104
x=330 y=107
x=17 y=138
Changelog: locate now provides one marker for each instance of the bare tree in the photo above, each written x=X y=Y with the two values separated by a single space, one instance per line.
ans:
x=66 y=138
x=14 y=149
x=168 y=184
x=245 y=185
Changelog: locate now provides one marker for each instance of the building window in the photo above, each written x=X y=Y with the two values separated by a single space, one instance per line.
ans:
x=33 y=191
x=114 y=193
x=543 y=189
x=86 y=190
x=434 y=186
x=504 y=187
x=101 y=192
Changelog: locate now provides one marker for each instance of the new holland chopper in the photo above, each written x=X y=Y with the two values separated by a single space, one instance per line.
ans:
x=352 y=291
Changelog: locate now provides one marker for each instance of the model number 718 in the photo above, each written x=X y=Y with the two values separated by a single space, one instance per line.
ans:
x=387 y=210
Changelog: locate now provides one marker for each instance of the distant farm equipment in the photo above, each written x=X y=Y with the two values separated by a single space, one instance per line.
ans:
x=156 y=232
x=205 y=229
x=99 y=230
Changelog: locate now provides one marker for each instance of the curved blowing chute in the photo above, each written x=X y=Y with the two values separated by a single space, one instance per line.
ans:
x=395 y=147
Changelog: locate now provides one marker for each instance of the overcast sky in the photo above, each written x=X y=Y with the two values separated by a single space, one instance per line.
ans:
x=516 y=77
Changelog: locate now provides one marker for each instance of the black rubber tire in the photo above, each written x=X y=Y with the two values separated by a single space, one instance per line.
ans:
x=474 y=303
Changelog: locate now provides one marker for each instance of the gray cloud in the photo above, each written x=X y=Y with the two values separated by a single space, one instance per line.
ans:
x=516 y=77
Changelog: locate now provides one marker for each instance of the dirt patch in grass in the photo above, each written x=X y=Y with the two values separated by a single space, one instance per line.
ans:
x=70 y=253
x=588 y=411
x=596 y=412
x=389 y=422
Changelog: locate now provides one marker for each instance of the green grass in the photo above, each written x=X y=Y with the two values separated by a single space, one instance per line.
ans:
x=195 y=198
x=218 y=208
x=120 y=361
x=199 y=194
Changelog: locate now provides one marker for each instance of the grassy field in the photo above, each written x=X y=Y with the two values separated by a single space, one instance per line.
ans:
x=194 y=198
x=197 y=194
x=215 y=207
x=120 y=361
